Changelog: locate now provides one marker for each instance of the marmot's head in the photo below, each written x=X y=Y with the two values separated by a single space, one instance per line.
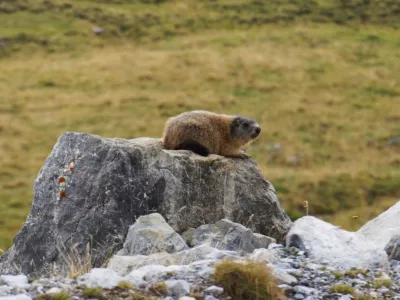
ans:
x=244 y=129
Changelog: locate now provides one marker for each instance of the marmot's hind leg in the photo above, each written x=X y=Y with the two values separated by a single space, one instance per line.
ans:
x=193 y=146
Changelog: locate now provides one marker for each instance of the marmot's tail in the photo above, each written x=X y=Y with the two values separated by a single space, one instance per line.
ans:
x=193 y=146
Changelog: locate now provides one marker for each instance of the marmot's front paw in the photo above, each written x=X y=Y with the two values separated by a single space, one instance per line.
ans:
x=244 y=155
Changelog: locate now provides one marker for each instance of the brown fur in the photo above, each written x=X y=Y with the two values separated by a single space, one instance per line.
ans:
x=210 y=130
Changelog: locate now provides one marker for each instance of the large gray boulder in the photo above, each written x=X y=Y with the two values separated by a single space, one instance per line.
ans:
x=326 y=243
x=91 y=189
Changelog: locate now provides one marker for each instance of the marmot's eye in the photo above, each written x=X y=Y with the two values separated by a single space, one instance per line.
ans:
x=246 y=125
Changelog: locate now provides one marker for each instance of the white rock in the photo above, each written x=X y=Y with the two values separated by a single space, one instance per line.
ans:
x=263 y=255
x=18 y=281
x=16 y=297
x=324 y=242
x=54 y=290
x=346 y=297
x=373 y=294
x=381 y=229
x=177 y=288
x=215 y=290
x=282 y=275
x=384 y=276
x=187 y=298
x=145 y=274
x=5 y=290
x=101 y=277
x=304 y=290
x=210 y=297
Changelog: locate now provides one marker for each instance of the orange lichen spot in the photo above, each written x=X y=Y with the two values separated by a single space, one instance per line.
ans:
x=63 y=194
x=61 y=179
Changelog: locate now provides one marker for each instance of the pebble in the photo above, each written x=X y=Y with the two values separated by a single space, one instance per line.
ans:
x=215 y=290
x=178 y=288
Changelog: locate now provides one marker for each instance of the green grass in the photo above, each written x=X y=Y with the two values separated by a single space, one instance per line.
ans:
x=55 y=296
x=93 y=292
x=342 y=289
x=382 y=283
x=321 y=78
x=338 y=275
x=354 y=272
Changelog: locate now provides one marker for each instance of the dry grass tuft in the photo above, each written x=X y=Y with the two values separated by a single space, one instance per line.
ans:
x=342 y=289
x=78 y=264
x=247 y=281
x=160 y=288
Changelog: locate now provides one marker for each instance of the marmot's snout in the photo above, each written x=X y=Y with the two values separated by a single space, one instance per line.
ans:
x=256 y=131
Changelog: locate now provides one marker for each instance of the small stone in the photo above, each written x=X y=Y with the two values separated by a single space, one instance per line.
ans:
x=101 y=277
x=345 y=297
x=304 y=290
x=178 y=288
x=54 y=290
x=5 y=290
x=285 y=287
x=304 y=282
x=187 y=298
x=97 y=30
x=373 y=294
x=215 y=290
x=210 y=297
x=299 y=296
x=383 y=290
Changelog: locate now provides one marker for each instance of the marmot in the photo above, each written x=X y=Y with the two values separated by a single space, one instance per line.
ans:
x=205 y=133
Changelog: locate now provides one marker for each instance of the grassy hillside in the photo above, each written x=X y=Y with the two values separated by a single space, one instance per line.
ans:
x=321 y=77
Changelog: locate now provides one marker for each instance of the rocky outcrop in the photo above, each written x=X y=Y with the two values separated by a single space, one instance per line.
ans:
x=91 y=189
x=326 y=243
